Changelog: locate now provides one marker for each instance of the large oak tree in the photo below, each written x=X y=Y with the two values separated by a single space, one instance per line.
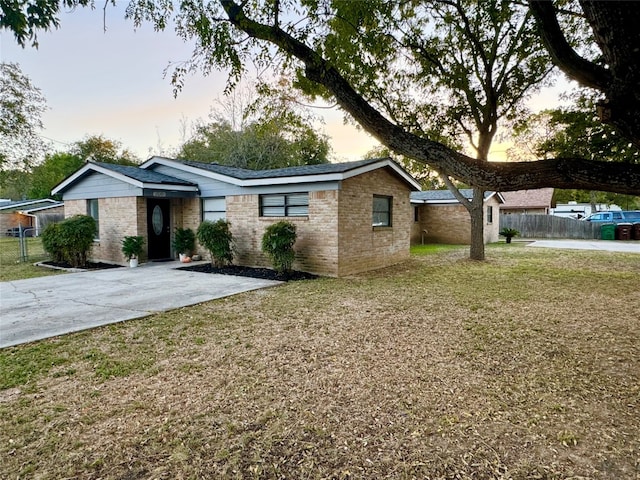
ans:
x=307 y=37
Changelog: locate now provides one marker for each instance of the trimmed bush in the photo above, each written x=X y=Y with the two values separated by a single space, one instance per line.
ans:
x=217 y=238
x=277 y=244
x=51 y=242
x=70 y=240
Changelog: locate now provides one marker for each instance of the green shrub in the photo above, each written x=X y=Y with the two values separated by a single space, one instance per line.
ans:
x=70 y=240
x=184 y=241
x=277 y=244
x=217 y=238
x=51 y=242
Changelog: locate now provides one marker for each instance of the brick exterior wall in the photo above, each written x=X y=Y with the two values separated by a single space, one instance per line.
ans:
x=12 y=220
x=451 y=224
x=119 y=217
x=316 y=245
x=362 y=246
x=337 y=238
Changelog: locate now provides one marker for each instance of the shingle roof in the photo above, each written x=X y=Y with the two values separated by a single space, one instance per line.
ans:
x=302 y=170
x=141 y=175
x=540 y=198
x=444 y=195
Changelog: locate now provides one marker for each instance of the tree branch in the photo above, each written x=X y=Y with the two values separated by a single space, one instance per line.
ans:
x=558 y=173
x=566 y=58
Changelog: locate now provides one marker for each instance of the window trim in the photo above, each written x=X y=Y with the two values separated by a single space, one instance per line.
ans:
x=286 y=206
x=388 y=211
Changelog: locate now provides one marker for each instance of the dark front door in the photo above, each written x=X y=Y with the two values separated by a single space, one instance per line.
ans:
x=158 y=229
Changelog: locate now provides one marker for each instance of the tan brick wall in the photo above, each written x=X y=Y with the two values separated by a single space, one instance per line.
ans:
x=186 y=213
x=316 y=246
x=119 y=217
x=452 y=224
x=363 y=247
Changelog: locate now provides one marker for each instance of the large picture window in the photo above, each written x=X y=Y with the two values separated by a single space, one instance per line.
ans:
x=284 y=205
x=94 y=212
x=381 y=211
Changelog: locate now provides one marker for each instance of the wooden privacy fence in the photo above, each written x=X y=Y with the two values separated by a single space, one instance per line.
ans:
x=549 y=226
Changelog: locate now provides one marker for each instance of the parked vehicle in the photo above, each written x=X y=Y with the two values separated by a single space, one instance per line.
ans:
x=615 y=216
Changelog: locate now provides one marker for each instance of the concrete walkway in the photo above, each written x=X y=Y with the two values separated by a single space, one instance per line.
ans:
x=37 y=308
x=627 y=246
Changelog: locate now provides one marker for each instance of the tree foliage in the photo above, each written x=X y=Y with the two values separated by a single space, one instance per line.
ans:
x=55 y=168
x=21 y=108
x=344 y=50
x=101 y=149
x=575 y=130
x=270 y=131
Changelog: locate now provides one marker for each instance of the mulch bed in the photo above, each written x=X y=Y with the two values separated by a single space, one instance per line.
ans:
x=263 y=273
x=88 y=266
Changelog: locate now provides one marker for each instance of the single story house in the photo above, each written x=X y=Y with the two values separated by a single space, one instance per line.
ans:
x=33 y=215
x=350 y=217
x=530 y=202
x=440 y=218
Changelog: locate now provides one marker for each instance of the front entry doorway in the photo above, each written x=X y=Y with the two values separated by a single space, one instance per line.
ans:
x=159 y=228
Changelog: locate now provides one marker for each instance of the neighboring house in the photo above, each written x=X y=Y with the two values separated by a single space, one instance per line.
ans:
x=440 y=218
x=29 y=214
x=531 y=202
x=350 y=217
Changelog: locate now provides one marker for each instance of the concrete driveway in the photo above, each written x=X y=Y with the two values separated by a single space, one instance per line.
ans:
x=627 y=246
x=44 y=307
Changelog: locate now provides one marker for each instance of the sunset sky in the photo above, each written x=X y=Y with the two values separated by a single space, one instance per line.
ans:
x=111 y=83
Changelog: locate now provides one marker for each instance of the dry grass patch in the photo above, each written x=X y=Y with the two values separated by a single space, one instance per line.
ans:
x=525 y=366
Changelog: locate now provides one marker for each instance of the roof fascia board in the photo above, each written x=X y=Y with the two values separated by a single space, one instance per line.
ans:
x=170 y=186
x=91 y=167
x=26 y=203
x=384 y=163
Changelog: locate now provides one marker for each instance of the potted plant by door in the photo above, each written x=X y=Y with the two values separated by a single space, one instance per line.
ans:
x=184 y=243
x=509 y=233
x=132 y=249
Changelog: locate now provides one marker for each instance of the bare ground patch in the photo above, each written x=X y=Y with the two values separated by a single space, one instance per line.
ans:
x=525 y=366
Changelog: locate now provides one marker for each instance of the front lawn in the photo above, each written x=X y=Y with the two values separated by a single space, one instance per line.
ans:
x=526 y=366
x=14 y=267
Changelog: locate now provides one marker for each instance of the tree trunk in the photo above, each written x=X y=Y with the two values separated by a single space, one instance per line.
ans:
x=477 y=225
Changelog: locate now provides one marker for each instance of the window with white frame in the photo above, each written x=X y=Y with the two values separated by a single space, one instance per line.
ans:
x=381 y=211
x=94 y=212
x=214 y=208
x=284 y=205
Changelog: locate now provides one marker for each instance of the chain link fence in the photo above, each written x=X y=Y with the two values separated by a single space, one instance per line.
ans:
x=21 y=245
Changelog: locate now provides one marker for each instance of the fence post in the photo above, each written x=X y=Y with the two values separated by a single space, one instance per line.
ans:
x=23 y=244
